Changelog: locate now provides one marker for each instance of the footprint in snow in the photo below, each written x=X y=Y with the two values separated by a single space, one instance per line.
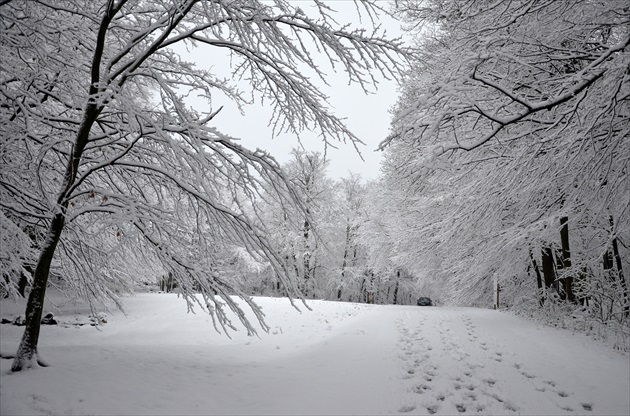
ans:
x=587 y=406
x=407 y=409
x=562 y=393
x=490 y=381
x=421 y=388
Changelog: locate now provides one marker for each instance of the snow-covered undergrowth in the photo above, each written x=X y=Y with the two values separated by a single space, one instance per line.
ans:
x=338 y=358
x=594 y=320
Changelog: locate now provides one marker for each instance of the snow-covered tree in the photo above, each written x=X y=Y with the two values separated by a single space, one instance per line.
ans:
x=352 y=204
x=302 y=232
x=100 y=149
x=513 y=127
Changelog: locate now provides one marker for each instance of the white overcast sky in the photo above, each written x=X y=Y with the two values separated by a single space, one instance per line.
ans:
x=367 y=116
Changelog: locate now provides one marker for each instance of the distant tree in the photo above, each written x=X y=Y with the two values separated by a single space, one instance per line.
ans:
x=99 y=150
x=303 y=229
x=352 y=200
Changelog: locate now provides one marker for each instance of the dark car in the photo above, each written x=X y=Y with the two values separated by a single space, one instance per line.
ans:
x=424 y=301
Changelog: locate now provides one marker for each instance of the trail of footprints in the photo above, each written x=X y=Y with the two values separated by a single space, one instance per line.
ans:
x=417 y=353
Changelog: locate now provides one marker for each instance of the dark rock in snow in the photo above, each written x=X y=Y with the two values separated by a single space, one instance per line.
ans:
x=49 y=319
x=99 y=319
x=19 y=320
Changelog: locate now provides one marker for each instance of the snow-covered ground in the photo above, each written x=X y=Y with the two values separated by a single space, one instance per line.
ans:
x=339 y=358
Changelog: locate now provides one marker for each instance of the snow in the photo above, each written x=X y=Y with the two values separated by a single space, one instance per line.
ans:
x=339 y=358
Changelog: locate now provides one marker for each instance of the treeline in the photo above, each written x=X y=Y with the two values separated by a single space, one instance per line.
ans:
x=508 y=160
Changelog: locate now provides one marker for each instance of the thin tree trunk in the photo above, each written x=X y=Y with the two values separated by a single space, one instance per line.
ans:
x=396 y=291
x=549 y=271
x=608 y=260
x=620 y=276
x=539 y=283
x=362 y=296
x=345 y=260
x=22 y=284
x=566 y=258
x=306 y=264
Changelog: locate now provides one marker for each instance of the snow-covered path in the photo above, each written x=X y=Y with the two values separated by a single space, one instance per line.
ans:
x=340 y=358
x=481 y=361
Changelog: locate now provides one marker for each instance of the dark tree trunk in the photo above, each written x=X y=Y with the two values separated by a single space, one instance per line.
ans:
x=608 y=260
x=539 y=283
x=566 y=259
x=27 y=351
x=620 y=276
x=396 y=291
x=345 y=259
x=362 y=296
x=22 y=284
x=306 y=260
x=549 y=271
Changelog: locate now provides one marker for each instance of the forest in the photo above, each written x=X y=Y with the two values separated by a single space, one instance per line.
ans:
x=505 y=179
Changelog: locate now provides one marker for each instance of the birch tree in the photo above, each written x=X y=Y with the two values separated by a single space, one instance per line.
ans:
x=99 y=146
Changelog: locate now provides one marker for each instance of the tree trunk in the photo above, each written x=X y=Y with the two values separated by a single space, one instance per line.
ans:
x=539 y=284
x=306 y=264
x=566 y=259
x=620 y=276
x=608 y=260
x=27 y=351
x=27 y=354
x=396 y=291
x=549 y=271
x=345 y=259
x=362 y=296
x=22 y=283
